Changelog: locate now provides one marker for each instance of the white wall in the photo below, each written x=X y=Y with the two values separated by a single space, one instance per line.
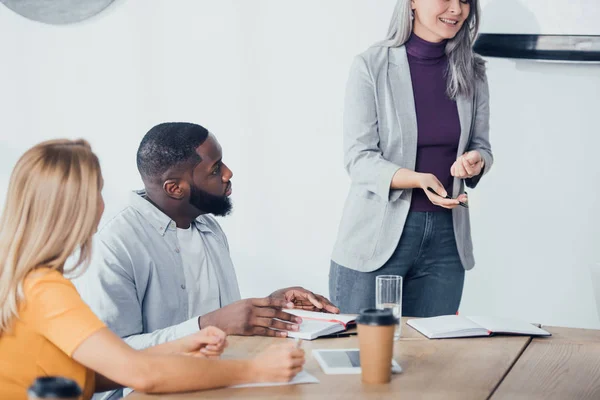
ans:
x=536 y=218
x=267 y=77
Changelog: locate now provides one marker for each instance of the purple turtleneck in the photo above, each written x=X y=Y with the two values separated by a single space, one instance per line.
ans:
x=437 y=116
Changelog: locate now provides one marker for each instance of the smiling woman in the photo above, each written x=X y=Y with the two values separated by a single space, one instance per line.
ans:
x=438 y=20
x=422 y=17
x=415 y=130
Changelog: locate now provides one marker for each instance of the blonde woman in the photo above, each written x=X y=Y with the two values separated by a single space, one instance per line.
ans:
x=53 y=207
x=416 y=132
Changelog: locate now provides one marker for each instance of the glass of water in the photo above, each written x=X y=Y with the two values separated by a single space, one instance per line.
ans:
x=388 y=294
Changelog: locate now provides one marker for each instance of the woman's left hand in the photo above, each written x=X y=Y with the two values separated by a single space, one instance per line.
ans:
x=468 y=165
x=208 y=342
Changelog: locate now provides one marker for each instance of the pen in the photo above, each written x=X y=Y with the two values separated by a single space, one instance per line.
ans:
x=447 y=197
x=338 y=335
x=298 y=343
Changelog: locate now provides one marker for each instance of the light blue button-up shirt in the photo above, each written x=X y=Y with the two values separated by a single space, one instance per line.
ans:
x=136 y=282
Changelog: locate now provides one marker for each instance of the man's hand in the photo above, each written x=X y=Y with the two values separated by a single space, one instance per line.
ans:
x=253 y=317
x=305 y=299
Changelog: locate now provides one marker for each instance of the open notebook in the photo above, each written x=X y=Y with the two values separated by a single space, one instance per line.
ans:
x=454 y=326
x=315 y=324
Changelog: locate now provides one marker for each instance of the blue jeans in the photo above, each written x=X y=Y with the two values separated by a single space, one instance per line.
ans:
x=426 y=258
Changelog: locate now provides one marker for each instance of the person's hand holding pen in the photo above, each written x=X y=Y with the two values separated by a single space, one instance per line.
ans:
x=461 y=202
x=278 y=363
x=437 y=194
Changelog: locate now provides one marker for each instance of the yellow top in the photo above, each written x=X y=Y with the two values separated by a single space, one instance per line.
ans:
x=53 y=321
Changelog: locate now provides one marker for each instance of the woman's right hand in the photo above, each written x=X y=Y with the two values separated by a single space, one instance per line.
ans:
x=430 y=180
x=278 y=363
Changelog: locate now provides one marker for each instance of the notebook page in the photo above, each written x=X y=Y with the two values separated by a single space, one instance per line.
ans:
x=302 y=377
x=311 y=329
x=508 y=325
x=343 y=319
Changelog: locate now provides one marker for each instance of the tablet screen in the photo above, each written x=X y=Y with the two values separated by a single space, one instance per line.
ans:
x=343 y=361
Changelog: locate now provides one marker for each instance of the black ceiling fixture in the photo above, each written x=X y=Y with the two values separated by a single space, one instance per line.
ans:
x=569 y=48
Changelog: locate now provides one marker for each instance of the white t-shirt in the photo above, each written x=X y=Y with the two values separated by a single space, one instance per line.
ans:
x=199 y=272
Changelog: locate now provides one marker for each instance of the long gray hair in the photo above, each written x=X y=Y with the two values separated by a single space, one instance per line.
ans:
x=464 y=67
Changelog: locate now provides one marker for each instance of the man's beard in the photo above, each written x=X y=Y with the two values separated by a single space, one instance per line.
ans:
x=209 y=203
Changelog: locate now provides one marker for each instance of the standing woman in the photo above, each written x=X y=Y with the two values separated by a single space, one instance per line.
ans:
x=416 y=117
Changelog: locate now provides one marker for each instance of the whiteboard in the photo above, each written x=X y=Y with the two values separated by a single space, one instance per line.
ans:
x=541 y=17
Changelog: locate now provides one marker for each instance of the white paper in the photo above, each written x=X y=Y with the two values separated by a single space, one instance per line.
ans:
x=302 y=377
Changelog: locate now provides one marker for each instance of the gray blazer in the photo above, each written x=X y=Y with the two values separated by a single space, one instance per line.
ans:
x=380 y=137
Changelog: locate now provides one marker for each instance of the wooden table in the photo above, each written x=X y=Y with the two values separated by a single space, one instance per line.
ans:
x=433 y=369
x=565 y=366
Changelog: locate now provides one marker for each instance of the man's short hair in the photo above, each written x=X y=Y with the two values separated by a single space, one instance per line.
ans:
x=169 y=145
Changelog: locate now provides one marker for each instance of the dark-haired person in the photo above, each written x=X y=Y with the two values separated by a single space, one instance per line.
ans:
x=161 y=267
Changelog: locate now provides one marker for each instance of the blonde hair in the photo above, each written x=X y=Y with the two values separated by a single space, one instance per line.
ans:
x=51 y=211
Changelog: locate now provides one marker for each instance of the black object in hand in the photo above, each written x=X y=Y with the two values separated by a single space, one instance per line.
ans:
x=447 y=197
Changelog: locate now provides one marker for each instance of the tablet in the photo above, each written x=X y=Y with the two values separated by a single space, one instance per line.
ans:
x=343 y=361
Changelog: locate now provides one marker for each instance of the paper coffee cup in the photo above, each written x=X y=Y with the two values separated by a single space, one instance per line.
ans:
x=376 y=341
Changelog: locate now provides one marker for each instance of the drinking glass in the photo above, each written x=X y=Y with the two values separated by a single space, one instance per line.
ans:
x=388 y=294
